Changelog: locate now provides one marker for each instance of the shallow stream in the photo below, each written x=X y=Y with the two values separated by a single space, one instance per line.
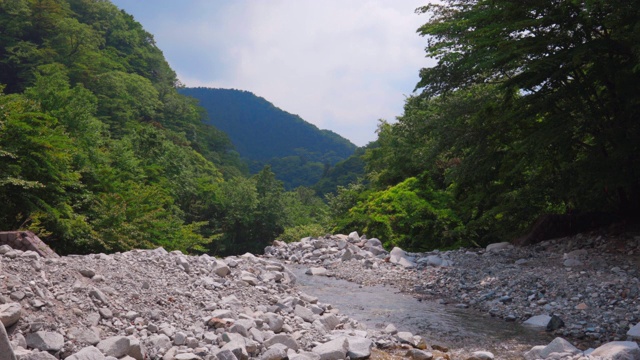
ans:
x=378 y=306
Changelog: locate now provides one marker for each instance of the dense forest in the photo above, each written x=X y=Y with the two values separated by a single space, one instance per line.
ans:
x=99 y=151
x=531 y=109
x=298 y=152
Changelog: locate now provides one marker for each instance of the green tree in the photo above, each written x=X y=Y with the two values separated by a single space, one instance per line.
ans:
x=568 y=71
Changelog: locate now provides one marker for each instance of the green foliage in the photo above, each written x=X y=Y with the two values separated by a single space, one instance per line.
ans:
x=293 y=234
x=98 y=150
x=569 y=74
x=531 y=109
x=411 y=215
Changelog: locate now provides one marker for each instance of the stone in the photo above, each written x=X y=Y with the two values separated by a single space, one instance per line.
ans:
x=87 y=353
x=317 y=271
x=329 y=321
x=333 y=350
x=45 y=341
x=116 y=346
x=136 y=349
x=221 y=269
x=306 y=314
x=538 y=322
x=40 y=355
x=415 y=354
x=618 y=350
x=400 y=257
x=10 y=313
x=558 y=345
x=495 y=247
x=634 y=332
x=238 y=348
x=187 y=356
x=391 y=329
x=354 y=237
x=572 y=263
x=359 y=347
x=6 y=352
x=226 y=355
x=286 y=340
x=483 y=355
x=274 y=354
x=86 y=272
x=84 y=336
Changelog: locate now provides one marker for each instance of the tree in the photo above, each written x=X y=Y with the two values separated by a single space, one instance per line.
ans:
x=569 y=75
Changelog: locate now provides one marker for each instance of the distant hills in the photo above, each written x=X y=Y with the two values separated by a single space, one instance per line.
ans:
x=298 y=151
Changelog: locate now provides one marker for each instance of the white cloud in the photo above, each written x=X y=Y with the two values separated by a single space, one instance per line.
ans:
x=341 y=65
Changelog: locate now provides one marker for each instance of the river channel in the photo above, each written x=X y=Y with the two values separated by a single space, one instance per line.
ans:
x=466 y=330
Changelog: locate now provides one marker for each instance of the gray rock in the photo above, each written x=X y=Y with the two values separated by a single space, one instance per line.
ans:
x=274 y=321
x=306 y=314
x=286 y=340
x=558 y=345
x=86 y=272
x=187 y=356
x=359 y=347
x=238 y=348
x=400 y=257
x=10 y=313
x=221 y=268
x=618 y=350
x=634 y=332
x=116 y=346
x=483 y=355
x=391 y=329
x=405 y=337
x=354 y=237
x=84 y=336
x=495 y=247
x=136 y=349
x=333 y=350
x=538 y=322
x=45 y=341
x=40 y=355
x=317 y=271
x=415 y=354
x=226 y=355
x=572 y=263
x=87 y=353
x=329 y=321
x=274 y=354
x=97 y=294
x=5 y=249
x=6 y=352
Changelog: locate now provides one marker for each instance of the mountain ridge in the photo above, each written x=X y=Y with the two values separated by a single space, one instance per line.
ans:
x=261 y=131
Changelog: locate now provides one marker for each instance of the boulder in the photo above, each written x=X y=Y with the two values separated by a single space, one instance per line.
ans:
x=317 y=271
x=634 y=332
x=495 y=247
x=6 y=352
x=45 y=341
x=618 y=350
x=286 y=340
x=10 y=313
x=116 y=346
x=558 y=345
x=87 y=353
x=333 y=350
x=359 y=347
x=544 y=322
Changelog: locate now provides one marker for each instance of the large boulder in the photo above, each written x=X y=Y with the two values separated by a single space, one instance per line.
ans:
x=45 y=341
x=618 y=350
x=6 y=352
x=10 y=313
x=333 y=350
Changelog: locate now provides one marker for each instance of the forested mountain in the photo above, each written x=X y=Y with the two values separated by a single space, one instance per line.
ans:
x=99 y=152
x=297 y=151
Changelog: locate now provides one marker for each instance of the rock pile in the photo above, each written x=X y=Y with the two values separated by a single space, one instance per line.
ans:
x=150 y=304
x=586 y=287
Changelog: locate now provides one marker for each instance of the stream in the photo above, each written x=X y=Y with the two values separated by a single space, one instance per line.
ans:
x=464 y=330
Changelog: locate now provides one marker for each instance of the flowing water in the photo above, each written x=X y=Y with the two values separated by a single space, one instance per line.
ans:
x=378 y=306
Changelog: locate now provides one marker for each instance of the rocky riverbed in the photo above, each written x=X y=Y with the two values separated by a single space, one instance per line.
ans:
x=583 y=288
x=150 y=304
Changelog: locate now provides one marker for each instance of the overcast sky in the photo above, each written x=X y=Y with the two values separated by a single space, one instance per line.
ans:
x=339 y=64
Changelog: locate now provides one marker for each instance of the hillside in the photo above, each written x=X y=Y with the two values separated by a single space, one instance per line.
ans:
x=262 y=133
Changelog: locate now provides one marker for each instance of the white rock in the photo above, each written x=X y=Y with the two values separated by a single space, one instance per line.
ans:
x=333 y=350
x=10 y=313
x=538 y=322
x=618 y=350
x=45 y=341
x=634 y=332
x=87 y=353
x=495 y=247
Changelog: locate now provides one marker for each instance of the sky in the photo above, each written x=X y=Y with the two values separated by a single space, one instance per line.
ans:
x=339 y=64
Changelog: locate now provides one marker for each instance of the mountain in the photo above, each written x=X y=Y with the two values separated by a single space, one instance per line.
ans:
x=264 y=134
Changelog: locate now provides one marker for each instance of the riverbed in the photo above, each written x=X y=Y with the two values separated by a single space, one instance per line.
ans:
x=462 y=330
